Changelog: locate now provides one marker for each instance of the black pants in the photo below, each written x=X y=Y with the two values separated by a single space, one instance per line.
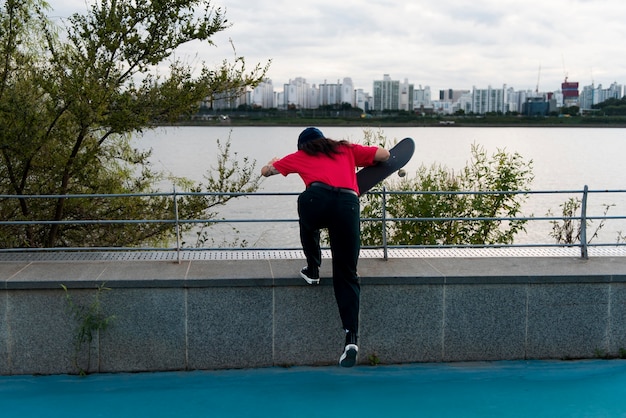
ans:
x=339 y=212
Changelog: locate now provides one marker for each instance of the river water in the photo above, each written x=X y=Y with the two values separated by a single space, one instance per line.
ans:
x=563 y=159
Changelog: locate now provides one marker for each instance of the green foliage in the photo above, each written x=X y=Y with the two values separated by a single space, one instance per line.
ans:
x=568 y=230
x=69 y=106
x=373 y=359
x=612 y=107
x=601 y=353
x=500 y=172
x=90 y=321
x=230 y=176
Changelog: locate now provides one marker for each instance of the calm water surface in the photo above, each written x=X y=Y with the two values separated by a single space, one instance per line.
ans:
x=563 y=159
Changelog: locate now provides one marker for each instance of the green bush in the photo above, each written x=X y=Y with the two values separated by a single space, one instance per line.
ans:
x=500 y=172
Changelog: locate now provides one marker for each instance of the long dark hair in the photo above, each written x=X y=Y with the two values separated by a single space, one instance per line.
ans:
x=326 y=146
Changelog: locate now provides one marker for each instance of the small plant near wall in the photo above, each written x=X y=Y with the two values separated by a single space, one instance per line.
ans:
x=600 y=353
x=374 y=360
x=90 y=321
x=568 y=230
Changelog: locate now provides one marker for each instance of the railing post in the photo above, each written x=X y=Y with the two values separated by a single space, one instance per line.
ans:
x=177 y=226
x=583 y=224
x=384 y=222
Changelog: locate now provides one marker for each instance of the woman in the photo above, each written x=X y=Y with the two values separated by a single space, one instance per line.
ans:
x=331 y=200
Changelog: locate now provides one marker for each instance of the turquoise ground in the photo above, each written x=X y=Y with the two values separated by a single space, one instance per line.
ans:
x=595 y=388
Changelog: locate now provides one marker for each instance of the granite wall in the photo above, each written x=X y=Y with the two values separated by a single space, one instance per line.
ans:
x=258 y=313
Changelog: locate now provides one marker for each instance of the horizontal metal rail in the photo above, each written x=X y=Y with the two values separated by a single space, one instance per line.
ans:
x=385 y=219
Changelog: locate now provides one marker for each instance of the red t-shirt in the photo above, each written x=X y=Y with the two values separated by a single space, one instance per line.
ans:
x=336 y=171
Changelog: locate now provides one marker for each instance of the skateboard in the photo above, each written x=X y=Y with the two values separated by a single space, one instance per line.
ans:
x=401 y=153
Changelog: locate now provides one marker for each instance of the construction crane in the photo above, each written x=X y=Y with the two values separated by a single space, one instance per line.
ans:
x=538 y=78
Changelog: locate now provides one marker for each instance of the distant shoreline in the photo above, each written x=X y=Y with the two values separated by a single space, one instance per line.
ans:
x=412 y=124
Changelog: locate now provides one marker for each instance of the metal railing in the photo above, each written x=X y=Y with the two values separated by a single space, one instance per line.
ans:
x=177 y=223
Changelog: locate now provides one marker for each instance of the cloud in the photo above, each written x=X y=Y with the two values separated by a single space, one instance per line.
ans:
x=444 y=44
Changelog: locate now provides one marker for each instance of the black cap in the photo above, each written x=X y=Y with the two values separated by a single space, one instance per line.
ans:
x=309 y=134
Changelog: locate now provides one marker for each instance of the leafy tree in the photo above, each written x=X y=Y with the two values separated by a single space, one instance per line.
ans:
x=570 y=110
x=445 y=196
x=612 y=107
x=70 y=102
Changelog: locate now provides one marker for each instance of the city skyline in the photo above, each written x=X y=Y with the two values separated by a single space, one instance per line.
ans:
x=444 y=45
x=390 y=94
x=278 y=85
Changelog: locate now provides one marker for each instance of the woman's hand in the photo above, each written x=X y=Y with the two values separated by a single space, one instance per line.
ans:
x=381 y=155
x=268 y=169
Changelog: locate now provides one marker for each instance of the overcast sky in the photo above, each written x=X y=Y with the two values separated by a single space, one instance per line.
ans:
x=442 y=43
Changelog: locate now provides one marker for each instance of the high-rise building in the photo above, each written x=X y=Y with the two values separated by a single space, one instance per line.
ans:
x=422 y=97
x=300 y=95
x=263 y=95
x=592 y=95
x=227 y=100
x=330 y=94
x=406 y=96
x=347 y=92
x=386 y=94
x=489 y=100
x=570 y=93
x=362 y=100
x=451 y=95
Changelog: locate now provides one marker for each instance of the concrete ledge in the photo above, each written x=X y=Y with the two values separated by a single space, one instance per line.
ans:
x=214 y=314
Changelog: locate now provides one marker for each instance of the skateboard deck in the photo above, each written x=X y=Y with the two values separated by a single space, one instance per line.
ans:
x=401 y=153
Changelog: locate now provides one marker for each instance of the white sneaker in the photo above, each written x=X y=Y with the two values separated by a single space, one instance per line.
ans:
x=348 y=358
